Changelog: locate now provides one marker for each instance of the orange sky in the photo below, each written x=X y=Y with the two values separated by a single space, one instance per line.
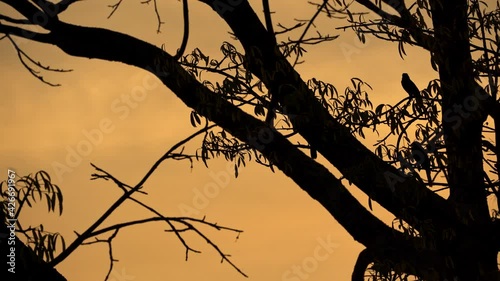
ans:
x=283 y=228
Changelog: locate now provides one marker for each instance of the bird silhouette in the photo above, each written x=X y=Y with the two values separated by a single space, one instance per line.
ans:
x=422 y=159
x=411 y=89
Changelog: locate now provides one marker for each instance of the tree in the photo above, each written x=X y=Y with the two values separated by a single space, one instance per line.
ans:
x=33 y=258
x=453 y=238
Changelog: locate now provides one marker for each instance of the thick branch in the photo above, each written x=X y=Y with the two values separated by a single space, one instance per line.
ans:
x=24 y=33
x=185 y=36
x=404 y=197
x=13 y=20
x=364 y=259
x=314 y=178
x=405 y=20
x=31 y=12
x=52 y=9
x=422 y=263
x=374 y=8
x=463 y=140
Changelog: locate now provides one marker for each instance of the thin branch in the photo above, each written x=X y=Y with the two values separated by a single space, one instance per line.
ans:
x=15 y=21
x=114 y=7
x=111 y=259
x=29 y=10
x=119 y=226
x=288 y=29
x=269 y=21
x=24 y=33
x=223 y=256
x=22 y=55
x=182 y=220
x=386 y=16
x=79 y=240
x=63 y=5
x=127 y=194
x=157 y=13
x=185 y=14
x=308 y=26
x=108 y=241
x=173 y=148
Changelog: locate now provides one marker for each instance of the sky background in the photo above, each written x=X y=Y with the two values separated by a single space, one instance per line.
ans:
x=283 y=227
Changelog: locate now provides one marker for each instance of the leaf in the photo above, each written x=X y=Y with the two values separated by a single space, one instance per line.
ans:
x=401 y=50
x=434 y=64
x=63 y=243
x=259 y=110
x=378 y=151
x=195 y=119
x=349 y=15
x=421 y=18
x=49 y=202
x=60 y=199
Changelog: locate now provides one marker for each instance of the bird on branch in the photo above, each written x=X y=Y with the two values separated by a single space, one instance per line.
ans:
x=411 y=89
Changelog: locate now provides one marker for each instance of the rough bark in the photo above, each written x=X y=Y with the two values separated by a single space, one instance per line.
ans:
x=470 y=250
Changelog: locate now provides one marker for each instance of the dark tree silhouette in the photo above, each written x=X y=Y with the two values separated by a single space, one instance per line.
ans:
x=438 y=238
x=422 y=159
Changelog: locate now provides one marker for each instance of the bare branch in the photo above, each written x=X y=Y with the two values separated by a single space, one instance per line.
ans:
x=372 y=7
x=109 y=242
x=173 y=148
x=22 y=55
x=33 y=14
x=24 y=33
x=185 y=14
x=64 y=5
x=127 y=195
x=267 y=16
x=114 y=7
x=14 y=21
x=288 y=29
x=364 y=259
x=209 y=241
x=157 y=13
x=311 y=22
